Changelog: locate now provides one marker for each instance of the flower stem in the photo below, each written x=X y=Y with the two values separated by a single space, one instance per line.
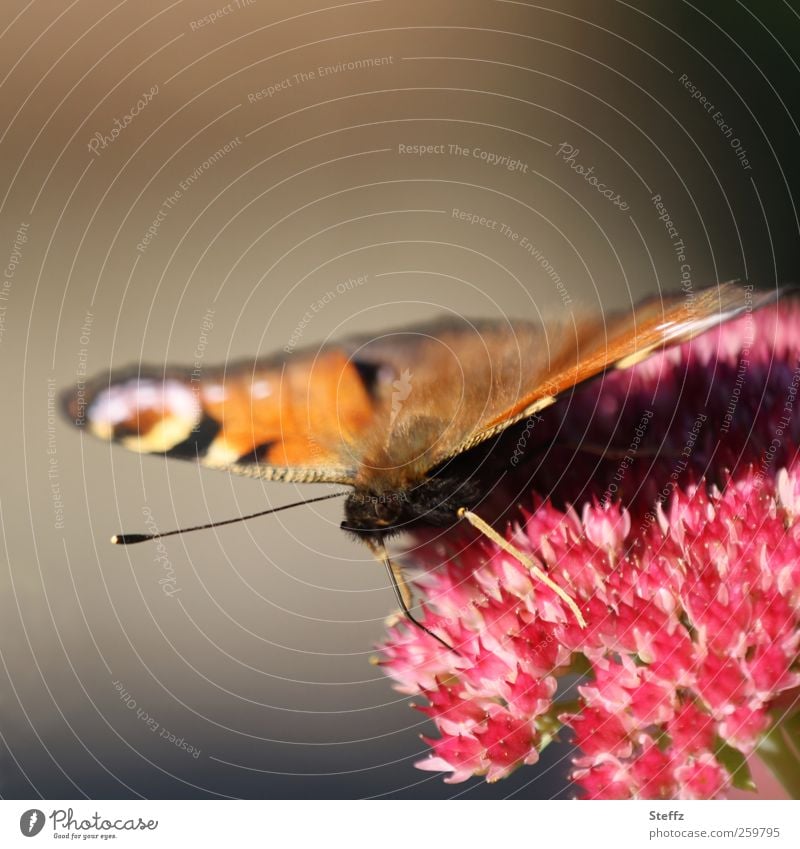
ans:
x=779 y=749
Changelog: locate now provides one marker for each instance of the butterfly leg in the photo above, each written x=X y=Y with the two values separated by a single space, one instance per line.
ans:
x=523 y=558
x=400 y=587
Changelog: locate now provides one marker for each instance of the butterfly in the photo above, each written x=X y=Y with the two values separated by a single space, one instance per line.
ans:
x=394 y=416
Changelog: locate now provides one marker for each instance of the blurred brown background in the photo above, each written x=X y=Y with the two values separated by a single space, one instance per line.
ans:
x=263 y=154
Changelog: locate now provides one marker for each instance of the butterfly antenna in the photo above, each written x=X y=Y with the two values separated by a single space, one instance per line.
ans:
x=487 y=530
x=401 y=591
x=132 y=539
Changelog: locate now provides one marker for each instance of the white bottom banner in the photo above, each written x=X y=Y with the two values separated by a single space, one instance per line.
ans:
x=399 y=823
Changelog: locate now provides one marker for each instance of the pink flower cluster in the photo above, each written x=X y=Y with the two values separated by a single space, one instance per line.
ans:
x=691 y=594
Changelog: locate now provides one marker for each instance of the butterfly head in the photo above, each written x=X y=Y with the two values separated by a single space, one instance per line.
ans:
x=434 y=501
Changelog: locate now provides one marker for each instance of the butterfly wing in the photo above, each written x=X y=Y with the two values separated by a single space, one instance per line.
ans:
x=381 y=411
x=593 y=344
x=384 y=405
x=470 y=381
x=273 y=419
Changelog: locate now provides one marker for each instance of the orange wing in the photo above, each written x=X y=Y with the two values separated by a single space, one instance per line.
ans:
x=383 y=410
x=271 y=419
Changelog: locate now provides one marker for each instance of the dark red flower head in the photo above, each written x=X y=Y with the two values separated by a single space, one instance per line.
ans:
x=666 y=501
